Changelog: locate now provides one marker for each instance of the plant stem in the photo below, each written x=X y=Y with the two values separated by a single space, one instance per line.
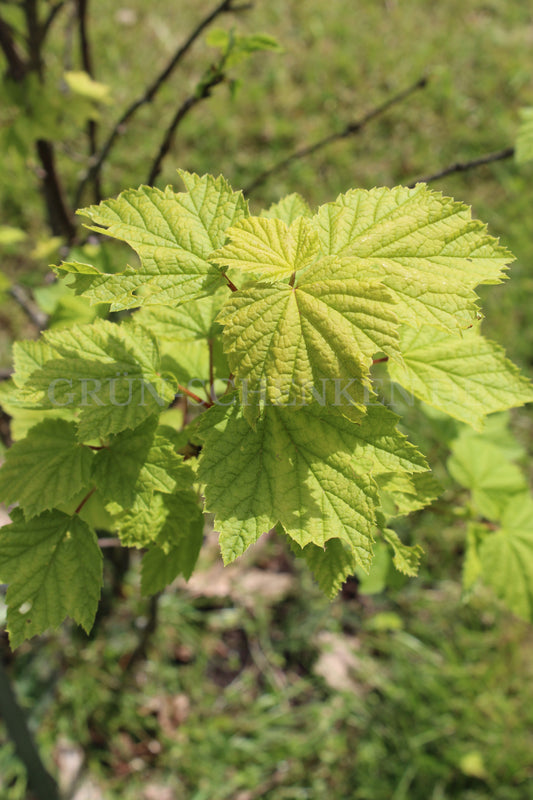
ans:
x=87 y=497
x=193 y=396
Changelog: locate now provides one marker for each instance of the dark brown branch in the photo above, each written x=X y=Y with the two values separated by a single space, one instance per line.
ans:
x=52 y=14
x=35 y=37
x=464 y=166
x=150 y=93
x=59 y=216
x=86 y=60
x=204 y=92
x=16 y=66
x=350 y=129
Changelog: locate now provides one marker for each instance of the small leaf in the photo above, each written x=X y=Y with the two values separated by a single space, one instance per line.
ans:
x=406 y=559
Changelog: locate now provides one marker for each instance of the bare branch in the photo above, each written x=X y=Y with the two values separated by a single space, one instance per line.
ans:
x=59 y=215
x=86 y=60
x=204 y=92
x=34 y=313
x=464 y=166
x=350 y=129
x=150 y=93
x=17 y=67
x=52 y=14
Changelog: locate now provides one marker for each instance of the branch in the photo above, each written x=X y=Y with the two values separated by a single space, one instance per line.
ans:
x=204 y=92
x=464 y=166
x=56 y=8
x=150 y=93
x=59 y=215
x=17 y=67
x=40 y=781
x=350 y=129
x=86 y=60
x=32 y=310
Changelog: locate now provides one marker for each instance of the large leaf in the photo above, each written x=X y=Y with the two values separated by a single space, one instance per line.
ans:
x=46 y=468
x=425 y=247
x=54 y=567
x=289 y=344
x=173 y=235
x=308 y=471
x=465 y=376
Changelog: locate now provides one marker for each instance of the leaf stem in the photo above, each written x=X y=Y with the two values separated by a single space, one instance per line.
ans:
x=380 y=360
x=195 y=397
x=87 y=497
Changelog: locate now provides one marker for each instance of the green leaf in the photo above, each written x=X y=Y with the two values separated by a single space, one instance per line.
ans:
x=156 y=518
x=82 y=84
x=483 y=468
x=524 y=139
x=507 y=558
x=173 y=235
x=54 y=567
x=330 y=565
x=465 y=376
x=406 y=559
x=237 y=47
x=288 y=209
x=402 y=493
x=28 y=356
x=292 y=344
x=46 y=468
x=310 y=472
x=161 y=565
x=269 y=248
x=424 y=247
x=107 y=372
x=188 y=323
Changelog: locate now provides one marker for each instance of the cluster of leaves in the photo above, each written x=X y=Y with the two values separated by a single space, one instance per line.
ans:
x=277 y=321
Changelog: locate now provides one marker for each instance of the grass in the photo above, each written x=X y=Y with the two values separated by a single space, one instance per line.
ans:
x=439 y=698
x=232 y=701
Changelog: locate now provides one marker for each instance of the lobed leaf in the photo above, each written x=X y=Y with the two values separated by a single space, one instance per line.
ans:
x=54 y=569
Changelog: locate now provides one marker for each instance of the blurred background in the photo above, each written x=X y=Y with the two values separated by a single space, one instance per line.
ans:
x=246 y=683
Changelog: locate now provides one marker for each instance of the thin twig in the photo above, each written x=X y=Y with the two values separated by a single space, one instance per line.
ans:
x=464 y=166
x=46 y=25
x=204 y=92
x=150 y=93
x=86 y=60
x=31 y=309
x=350 y=129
